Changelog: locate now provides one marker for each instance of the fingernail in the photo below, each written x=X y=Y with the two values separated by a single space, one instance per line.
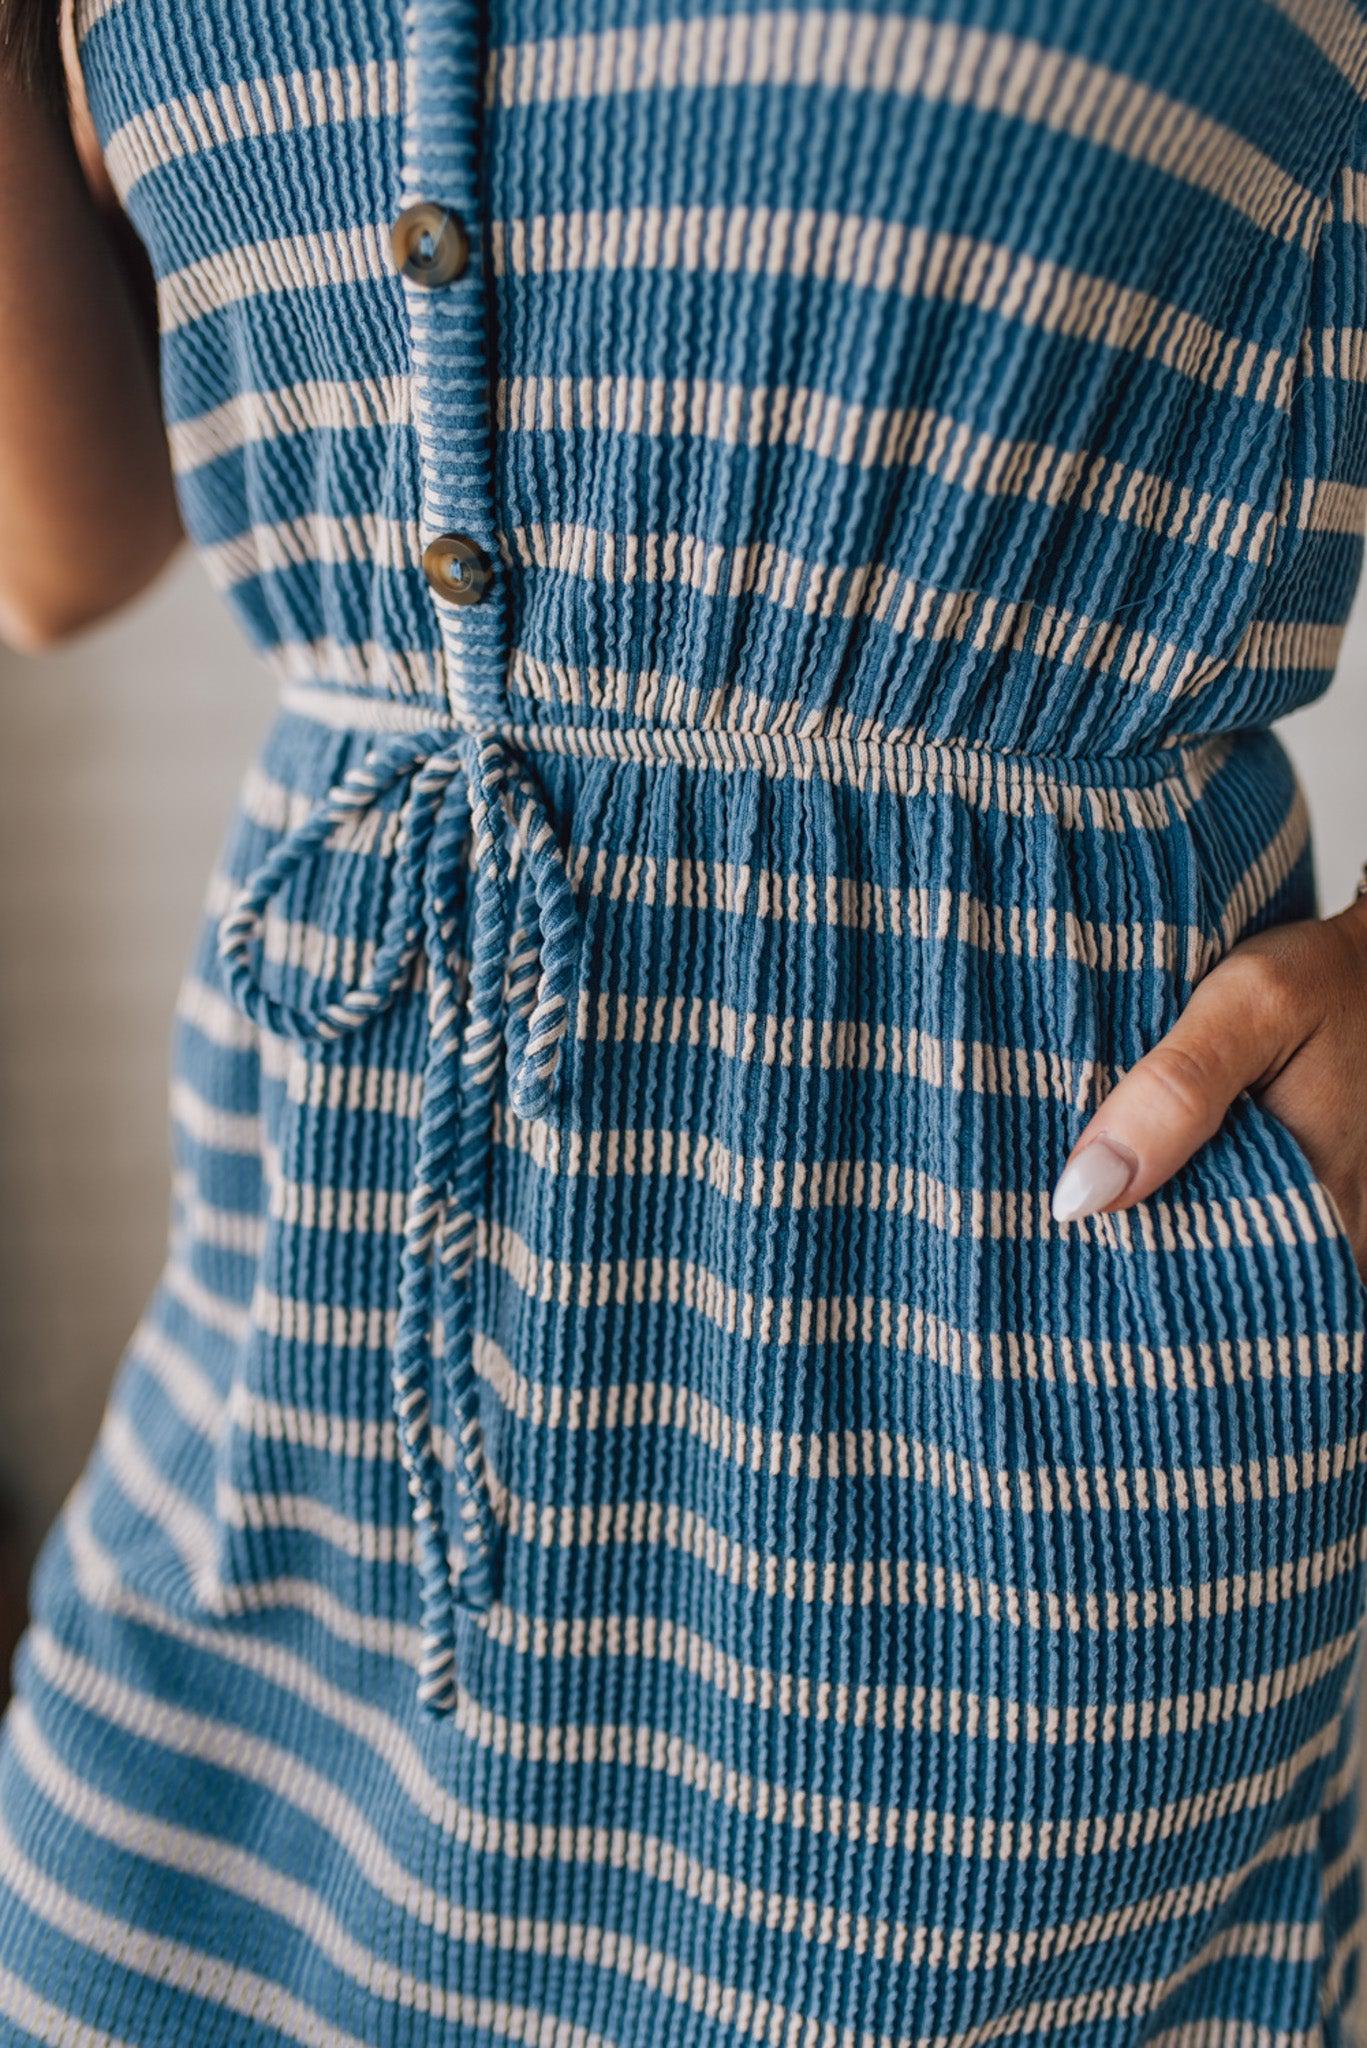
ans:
x=1096 y=1176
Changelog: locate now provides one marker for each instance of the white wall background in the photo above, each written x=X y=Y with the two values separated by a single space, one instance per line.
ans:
x=119 y=760
x=118 y=764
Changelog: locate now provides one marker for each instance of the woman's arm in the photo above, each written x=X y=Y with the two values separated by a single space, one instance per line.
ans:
x=87 y=510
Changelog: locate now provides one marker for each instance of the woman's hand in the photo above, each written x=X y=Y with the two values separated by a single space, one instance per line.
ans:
x=1283 y=1015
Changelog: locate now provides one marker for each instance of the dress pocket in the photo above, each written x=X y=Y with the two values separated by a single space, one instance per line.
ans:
x=1299 y=1207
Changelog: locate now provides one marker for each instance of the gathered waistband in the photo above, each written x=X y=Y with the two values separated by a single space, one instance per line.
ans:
x=476 y=846
x=1070 y=785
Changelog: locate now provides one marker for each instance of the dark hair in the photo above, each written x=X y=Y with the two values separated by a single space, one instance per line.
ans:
x=31 y=46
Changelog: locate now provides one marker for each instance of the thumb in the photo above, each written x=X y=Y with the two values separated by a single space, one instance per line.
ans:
x=1174 y=1099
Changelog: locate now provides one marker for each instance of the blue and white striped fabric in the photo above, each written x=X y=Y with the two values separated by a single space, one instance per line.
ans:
x=625 y=1522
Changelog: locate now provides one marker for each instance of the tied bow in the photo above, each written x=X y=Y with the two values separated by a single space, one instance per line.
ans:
x=468 y=791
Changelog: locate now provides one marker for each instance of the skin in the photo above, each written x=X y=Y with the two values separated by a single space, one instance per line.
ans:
x=1284 y=1015
x=87 y=510
x=88 y=516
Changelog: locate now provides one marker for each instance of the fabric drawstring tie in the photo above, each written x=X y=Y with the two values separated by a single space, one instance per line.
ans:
x=468 y=792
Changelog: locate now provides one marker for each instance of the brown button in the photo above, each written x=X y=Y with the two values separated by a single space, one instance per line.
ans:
x=456 y=568
x=430 y=245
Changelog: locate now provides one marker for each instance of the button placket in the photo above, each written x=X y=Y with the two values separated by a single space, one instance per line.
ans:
x=437 y=251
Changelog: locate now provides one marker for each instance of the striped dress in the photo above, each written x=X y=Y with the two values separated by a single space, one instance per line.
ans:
x=625 y=1524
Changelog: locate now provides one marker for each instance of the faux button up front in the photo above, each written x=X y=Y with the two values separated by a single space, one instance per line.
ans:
x=430 y=245
x=625 y=1521
x=456 y=568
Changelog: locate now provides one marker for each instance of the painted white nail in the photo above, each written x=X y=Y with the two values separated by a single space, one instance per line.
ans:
x=1098 y=1175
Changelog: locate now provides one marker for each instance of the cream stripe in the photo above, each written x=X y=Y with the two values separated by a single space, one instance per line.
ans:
x=1337 y=31
x=643 y=1748
x=370 y=1542
x=196 y=1972
x=868 y=437
x=842 y=902
x=340 y=1211
x=308 y=1080
x=738 y=415
x=275 y=807
x=831 y=1044
x=394 y=673
x=252 y=417
x=899 y=1583
x=613 y=1951
x=879 y=1583
x=1276 y=1940
x=216 y=1861
x=322 y=954
x=196 y=1544
x=1348 y=1866
x=291 y=263
x=246 y=109
x=244 y=1647
x=183 y=1380
x=863 y=1455
x=875 y=255
x=848 y=249
x=1305 y=647
x=914 y=610
x=88 y=12
x=890 y=1187
x=1043 y=1489
x=841 y=1045
x=1026 y=930
x=1120 y=792
x=217 y=1312
x=299 y=665
x=223 y=1130
x=354 y=1090
x=190 y=1534
x=1265 y=874
x=1290 y=1217
x=650 y=1524
x=850 y=903
x=639 y=696
x=890 y=1584
x=313 y=538
x=883 y=1586
x=1342 y=351
x=39 y=2017
x=1352 y=198
x=207 y=1011
x=280 y=1773
x=935 y=63
x=1337 y=507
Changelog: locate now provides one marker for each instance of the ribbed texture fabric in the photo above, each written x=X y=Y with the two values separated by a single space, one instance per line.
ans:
x=625 y=1524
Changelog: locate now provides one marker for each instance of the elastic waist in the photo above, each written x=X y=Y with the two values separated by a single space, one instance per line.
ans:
x=1071 y=785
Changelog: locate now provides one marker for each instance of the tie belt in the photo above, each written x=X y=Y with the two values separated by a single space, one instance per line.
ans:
x=466 y=795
